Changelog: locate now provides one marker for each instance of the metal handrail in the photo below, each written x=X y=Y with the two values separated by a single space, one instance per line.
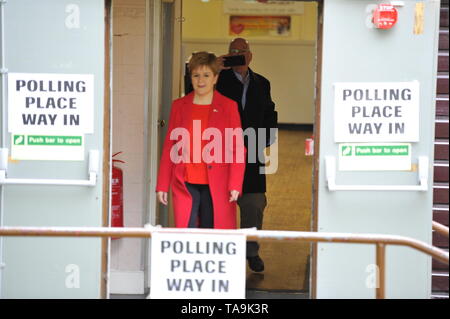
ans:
x=380 y=240
x=441 y=229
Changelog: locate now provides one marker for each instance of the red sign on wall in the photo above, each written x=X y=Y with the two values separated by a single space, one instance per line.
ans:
x=384 y=16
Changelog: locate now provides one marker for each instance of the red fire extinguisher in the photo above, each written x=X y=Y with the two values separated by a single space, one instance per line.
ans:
x=116 y=194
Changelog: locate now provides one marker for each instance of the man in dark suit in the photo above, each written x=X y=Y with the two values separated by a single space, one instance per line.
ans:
x=257 y=110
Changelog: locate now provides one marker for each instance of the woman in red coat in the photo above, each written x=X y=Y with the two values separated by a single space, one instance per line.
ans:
x=203 y=156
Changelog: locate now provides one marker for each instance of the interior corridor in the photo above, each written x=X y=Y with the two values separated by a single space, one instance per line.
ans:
x=289 y=193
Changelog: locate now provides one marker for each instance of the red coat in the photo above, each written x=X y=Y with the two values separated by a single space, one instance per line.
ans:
x=223 y=177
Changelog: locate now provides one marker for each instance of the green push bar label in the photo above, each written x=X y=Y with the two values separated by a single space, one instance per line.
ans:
x=382 y=150
x=375 y=157
x=47 y=140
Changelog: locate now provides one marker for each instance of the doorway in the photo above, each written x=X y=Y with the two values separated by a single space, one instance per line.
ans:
x=151 y=42
x=288 y=60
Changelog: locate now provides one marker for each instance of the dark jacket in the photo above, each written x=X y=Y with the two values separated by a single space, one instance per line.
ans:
x=259 y=112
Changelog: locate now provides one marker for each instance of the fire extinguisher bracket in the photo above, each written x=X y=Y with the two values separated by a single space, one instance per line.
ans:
x=92 y=173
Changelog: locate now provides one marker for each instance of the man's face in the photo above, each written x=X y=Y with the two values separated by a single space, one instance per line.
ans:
x=240 y=47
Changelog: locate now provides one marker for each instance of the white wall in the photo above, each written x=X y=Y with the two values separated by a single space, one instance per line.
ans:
x=289 y=67
x=288 y=62
x=128 y=136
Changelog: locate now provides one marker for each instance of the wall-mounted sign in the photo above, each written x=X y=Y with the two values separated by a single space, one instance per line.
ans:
x=47 y=147
x=252 y=7
x=375 y=157
x=48 y=115
x=254 y=26
x=46 y=104
x=192 y=266
x=376 y=112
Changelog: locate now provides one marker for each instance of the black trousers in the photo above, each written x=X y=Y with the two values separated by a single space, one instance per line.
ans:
x=252 y=207
x=202 y=212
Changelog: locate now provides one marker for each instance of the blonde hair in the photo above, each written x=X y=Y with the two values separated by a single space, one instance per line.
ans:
x=202 y=58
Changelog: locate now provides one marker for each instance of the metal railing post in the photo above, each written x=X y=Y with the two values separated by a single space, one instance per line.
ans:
x=381 y=272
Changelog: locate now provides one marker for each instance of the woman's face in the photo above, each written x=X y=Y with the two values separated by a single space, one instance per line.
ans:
x=203 y=80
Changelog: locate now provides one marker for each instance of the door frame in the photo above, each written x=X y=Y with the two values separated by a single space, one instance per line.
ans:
x=316 y=157
x=153 y=84
x=154 y=51
x=107 y=138
x=152 y=100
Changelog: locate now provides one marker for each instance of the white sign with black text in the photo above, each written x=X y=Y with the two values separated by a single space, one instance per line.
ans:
x=376 y=112
x=50 y=104
x=197 y=266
